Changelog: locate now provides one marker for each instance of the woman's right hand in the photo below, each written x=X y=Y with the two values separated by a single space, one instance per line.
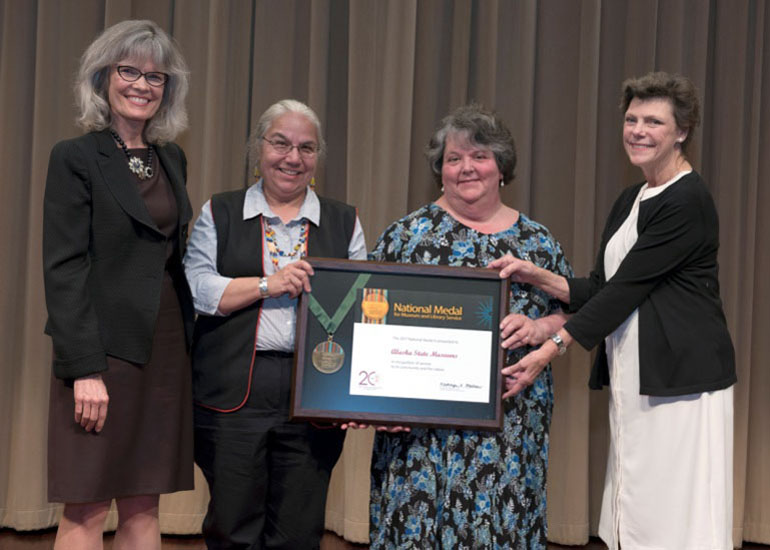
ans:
x=91 y=402
x=520 y=271
x=291 y=280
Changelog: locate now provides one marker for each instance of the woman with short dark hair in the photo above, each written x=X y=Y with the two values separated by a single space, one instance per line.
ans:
x=119 y=308
x=652 y=306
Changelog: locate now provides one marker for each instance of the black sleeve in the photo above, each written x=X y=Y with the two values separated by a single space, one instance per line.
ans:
x=72 y=320
x=183 y=158
x=676 y=228
x=582 y=289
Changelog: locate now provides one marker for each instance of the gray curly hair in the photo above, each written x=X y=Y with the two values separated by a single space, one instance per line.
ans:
x=481 y=127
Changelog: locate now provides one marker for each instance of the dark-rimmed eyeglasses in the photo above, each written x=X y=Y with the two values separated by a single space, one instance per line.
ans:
x=132 y=74
x=283 y=147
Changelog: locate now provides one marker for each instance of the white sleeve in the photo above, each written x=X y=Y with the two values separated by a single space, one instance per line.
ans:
x=357 y=246
x=200 y=264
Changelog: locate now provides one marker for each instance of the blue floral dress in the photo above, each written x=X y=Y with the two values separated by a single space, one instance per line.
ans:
x=452 y=489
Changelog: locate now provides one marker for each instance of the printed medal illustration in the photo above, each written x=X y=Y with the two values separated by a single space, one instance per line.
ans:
x=374 y=305
x=328 y=356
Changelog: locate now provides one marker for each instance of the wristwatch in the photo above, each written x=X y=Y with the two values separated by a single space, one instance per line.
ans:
x=263 y=287
x=556 y=339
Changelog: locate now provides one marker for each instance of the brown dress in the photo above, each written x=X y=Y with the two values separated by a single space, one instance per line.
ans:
x=146 y=445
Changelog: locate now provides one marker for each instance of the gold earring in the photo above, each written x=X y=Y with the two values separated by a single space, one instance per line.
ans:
x=256 y=173
x=312 y=182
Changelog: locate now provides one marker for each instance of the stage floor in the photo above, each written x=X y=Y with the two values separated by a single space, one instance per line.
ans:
x=43 y=540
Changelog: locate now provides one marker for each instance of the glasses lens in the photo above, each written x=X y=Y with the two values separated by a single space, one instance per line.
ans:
x=129 y=73
x=284 y=148
x=156 y=79
x=308 y=149
x=280 y=146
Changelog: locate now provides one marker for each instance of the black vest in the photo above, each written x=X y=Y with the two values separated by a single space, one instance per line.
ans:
x=224 y=347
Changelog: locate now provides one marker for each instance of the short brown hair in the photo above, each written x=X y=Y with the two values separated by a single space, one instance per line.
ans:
x=679 y=89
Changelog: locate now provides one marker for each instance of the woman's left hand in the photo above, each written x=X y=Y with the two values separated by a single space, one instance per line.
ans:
x=519 y=330
x=522 y=374
x=350 y=425
x=379 y=428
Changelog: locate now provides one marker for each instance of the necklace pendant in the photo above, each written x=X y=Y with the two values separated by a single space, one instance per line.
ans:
x=136 y=165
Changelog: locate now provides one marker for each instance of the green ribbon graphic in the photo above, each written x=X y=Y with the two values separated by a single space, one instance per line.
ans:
x=330 y=324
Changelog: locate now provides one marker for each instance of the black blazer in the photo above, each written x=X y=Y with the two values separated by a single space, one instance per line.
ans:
x=671 y=276
x=104 y=257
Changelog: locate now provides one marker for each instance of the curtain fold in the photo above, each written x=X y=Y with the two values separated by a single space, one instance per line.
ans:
x=756 y=515
x=381 y=74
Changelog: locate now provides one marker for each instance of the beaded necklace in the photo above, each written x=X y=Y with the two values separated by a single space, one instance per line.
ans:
x=135 y=164
x=272 y=246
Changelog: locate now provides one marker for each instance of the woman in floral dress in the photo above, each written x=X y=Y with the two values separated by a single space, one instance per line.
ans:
x=453 y=489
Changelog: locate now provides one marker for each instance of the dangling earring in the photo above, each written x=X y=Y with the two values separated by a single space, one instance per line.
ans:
x=442 y=187
x=256 y=173
x=502 y=183
x=312 y=182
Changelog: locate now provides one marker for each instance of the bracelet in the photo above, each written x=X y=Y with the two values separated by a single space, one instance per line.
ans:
x=556 y=339
x=263 y=293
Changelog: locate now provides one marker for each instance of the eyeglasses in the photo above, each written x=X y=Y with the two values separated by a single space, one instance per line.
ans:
x=132 y=74
x=282 y=147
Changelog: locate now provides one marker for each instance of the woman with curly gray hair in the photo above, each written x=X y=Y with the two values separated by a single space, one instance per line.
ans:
x=442 y=488
x=119 y=308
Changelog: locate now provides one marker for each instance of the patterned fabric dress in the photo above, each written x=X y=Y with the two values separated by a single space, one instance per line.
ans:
x=452 y=489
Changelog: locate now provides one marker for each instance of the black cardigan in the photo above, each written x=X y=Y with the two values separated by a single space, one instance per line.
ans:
x=104 y=257
x=671 y=276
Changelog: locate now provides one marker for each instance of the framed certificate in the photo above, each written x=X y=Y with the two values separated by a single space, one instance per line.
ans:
x=400 y=344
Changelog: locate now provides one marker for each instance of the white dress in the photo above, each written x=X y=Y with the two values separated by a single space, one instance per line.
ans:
x=669 y=481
